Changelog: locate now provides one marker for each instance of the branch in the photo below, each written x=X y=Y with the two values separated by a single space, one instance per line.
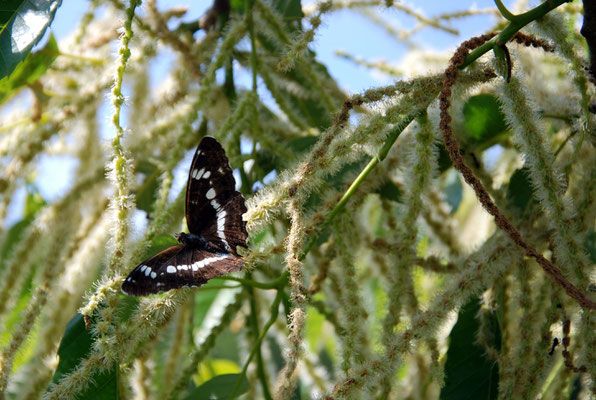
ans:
x=518 y=22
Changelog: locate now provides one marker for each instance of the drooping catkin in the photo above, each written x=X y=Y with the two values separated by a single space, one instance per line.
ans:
x=557 y=27
x=287 y=377
x=39 y=298
x=220 y=316
x=421 y=161
x=529 y=131
x=469 y=282
x=352 y=312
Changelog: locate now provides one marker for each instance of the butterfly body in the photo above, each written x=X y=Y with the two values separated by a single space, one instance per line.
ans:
x=214 y=217
x=198 y=242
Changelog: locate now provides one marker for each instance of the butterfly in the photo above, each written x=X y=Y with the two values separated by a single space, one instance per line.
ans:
x=214 y=217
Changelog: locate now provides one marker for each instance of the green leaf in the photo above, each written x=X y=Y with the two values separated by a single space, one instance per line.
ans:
x=454 y=190
x=444 y=160
x=226 y=346
x=30 y=70
x=204 y=299
x=311 y=110
x=75 y=345
x=22 y=24
x=159 y=243
x=16 y=314
x=13 y=236
x=519 y=192
x=484 y=120
x=468 y=373
x=303 y=143
x=339 y=181
x=213 y=367
x=590 y=245
x=33 y=203
x=390 y=191
x=220 y=387
x=7 y=11
x=267 y=160
x=147 y=193
x=237 y=5
x=291 y=10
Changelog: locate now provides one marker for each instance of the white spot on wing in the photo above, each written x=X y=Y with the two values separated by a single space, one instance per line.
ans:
x=207 y=175
x=199 y=173
x=171 y=269
x=160 y=284
x=143 y=268
x=147 y=271
x=221 y=221
x=194 y=173
x=206 y=261
x=153 y=275
x=210 y=194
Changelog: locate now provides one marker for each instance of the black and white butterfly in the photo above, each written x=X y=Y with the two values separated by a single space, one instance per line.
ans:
x=214 y=217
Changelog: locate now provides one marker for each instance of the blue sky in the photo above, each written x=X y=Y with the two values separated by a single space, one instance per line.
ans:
x=341 y=30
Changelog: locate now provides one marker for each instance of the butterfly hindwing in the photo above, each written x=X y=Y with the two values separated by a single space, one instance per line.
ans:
x=142 y=280
x=179 y=266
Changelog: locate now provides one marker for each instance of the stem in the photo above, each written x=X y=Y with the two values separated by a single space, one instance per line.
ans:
x=564 y=143
x=504 y=11
x=276 y=284
x=228 y=87
x=518 y=22
x=248 y=5
x=254 y=324
x=391 y=138
x=257 y=345
x=220 y=287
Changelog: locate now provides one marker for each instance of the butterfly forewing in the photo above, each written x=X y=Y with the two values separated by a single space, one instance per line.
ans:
x=213 y=207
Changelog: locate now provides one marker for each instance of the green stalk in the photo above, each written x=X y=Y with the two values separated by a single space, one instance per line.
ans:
x=391 y=138
x=517 y=22
x=504 y=11
x=254 y=324
x=257 y=345
x=276 y=284
x=248 y=6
